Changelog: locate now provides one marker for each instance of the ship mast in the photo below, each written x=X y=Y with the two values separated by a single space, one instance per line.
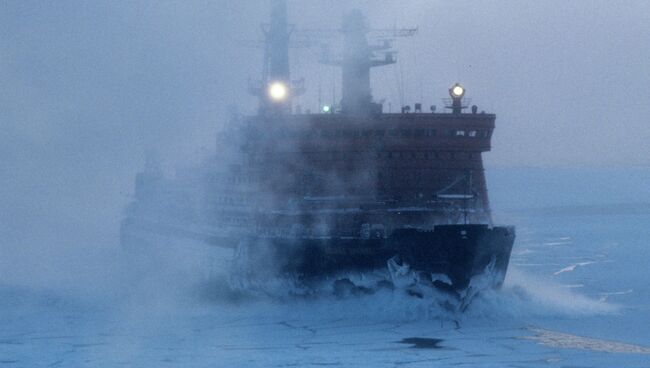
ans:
x=275 y=96
x=276 y=47
x=358 y=58
x=275 y=90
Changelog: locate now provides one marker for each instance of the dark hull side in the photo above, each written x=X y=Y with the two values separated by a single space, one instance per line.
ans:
x=459 y=252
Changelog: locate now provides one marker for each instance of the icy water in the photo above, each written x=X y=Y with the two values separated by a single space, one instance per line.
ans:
x=577 y=295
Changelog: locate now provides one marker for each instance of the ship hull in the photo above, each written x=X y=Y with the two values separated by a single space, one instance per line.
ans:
x=447 y=257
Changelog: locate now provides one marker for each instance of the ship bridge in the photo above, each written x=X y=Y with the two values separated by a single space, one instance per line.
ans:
x=356 y=163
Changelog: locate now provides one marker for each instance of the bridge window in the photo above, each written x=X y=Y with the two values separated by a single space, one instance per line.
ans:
x=460 y=133
x=406 y=132
x=472 y=133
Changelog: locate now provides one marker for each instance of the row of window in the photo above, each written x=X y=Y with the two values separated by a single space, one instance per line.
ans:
x=361 y=155
x=381 y=133
x=469 y=133
x=367 y=133
x=427 y=155
x=238 y=221
x=232 y=200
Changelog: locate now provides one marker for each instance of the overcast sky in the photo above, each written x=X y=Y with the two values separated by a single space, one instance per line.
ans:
x=87 y=86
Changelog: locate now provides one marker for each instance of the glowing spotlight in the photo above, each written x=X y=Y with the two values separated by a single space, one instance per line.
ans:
x=457 y=91
x=278 y=91
x=326 y=109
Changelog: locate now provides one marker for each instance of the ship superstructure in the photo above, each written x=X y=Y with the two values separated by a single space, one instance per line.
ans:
x=348 y=189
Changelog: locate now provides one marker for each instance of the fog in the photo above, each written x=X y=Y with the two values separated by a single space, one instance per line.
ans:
x=86 y=88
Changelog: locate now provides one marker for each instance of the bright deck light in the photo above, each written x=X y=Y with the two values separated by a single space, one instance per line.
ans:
x=278 y=91
x=326 y=108
x=457 y=91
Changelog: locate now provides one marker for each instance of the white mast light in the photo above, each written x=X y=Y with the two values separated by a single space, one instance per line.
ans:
x=278 y=91
x=457 y=91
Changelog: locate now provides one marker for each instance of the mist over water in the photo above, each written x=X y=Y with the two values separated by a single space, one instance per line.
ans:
x=128 y=310
x=88 y=88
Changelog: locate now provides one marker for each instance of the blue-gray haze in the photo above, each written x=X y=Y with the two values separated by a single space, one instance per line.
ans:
x=87 y=86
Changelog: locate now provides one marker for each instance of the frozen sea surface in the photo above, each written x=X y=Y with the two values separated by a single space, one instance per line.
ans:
x=576 y=295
